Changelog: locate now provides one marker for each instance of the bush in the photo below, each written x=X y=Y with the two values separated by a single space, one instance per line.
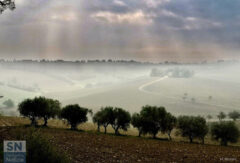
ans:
x=75 y=115
x=121 y=120
x=225 y=132
x=192 y=127
x=234 y=115
x=104 y=117
x=39 y=149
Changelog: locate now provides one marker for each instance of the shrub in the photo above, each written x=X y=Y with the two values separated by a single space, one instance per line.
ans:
x=192 y=127
x=234 y=115
x=104 y=117
x=75 y=115
x=225 y=132
x=39 y=149
x=121 y=120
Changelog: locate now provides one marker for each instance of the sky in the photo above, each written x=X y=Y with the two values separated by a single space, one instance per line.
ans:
x=144 y=30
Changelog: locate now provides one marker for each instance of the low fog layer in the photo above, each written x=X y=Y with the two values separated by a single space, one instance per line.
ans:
x=199 y=89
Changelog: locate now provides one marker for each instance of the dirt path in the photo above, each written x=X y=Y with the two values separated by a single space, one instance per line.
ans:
x=141 y=88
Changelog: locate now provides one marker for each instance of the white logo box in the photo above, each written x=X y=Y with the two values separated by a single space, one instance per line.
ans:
x=14 y=146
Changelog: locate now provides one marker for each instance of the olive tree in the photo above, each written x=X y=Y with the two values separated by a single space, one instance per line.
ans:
x=209 y=117
x=75 y=115
x=138 y=122
x=221 y=116
x=28 y=109
x=192 y=127
x=52 y=109
x=169 y=123
x=225 y=132
x=97 y=118
x=234 y=115
x=104 y=117
x=121 y=120
x=39 y=107
x=153 y=119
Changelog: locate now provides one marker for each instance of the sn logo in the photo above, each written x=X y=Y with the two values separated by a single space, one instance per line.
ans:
x=14 y=146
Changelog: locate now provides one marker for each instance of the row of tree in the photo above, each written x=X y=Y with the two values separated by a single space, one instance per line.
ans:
x=234 y=115
x=150 y=120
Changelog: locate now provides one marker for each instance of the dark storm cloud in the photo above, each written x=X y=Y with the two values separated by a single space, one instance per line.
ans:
x=123 y=29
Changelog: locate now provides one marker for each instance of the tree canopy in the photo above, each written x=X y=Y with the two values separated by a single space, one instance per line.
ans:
x=221 y=116
x=75 y=115
x=50 y=109
x=192 y=127
x=234 y=115
x=225 y=132
x=27 y=108
x=39 y=107
x=153 y=119
x=121 y=120
x=170 y=122
x=104 y=117
x=138 y=122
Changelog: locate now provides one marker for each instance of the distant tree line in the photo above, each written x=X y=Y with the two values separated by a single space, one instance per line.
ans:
x=103 y=61
x=150 y=120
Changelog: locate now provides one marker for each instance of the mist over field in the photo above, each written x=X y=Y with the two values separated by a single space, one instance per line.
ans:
x=192 y=89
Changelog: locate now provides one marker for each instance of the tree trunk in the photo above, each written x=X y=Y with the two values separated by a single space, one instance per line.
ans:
x=105 y=129
x=33 y=121
x=98 y=129
x=154 y=136
x=203 y=140
x=45 y=121
x=191 y=139
x=116 y=131
x=73 y=127
x=223 y=143
x=169 y=135
x=139 y=133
